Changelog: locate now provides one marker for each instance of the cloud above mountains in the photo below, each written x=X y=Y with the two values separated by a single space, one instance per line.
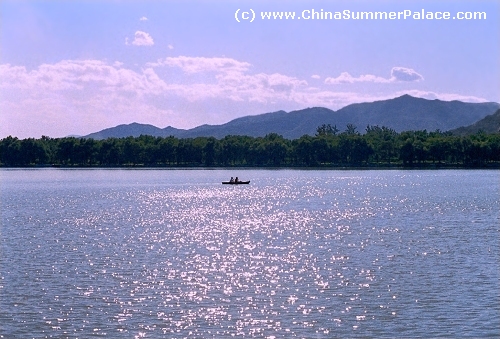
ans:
x=80 y=75
x=201 y=64
x=95 y=94
x=224 y=78
x=398 y=74
x=405 y=74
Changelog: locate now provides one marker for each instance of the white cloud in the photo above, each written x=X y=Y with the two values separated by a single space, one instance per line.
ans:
x=77 y=96
x=202 y=64
x=142 y=39
x=405 y=74
x=398 y=74
x=315 y=76
x=346 y=78
x=230 y=81
x=170 y=47
x=143 y=18
x=261 y=87
x=81 y=75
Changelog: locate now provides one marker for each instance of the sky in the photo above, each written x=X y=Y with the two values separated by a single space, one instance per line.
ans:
x=77 y=67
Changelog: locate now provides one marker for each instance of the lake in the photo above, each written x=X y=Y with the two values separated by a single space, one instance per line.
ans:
x=297 y=253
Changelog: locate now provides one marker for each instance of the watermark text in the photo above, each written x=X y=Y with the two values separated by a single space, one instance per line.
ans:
x=250 y=15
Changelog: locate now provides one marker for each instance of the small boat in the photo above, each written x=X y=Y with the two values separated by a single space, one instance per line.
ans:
x=236 y=182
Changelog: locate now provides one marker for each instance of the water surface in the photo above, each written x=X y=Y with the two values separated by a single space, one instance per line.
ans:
x=306 y=254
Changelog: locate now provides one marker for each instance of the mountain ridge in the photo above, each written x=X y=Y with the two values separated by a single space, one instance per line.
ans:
x=488 y=124
x=400 y=113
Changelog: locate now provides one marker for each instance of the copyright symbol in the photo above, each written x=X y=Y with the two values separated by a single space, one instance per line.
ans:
x=240 y=15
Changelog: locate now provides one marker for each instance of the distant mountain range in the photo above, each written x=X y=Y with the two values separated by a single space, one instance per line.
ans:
x=401 y=114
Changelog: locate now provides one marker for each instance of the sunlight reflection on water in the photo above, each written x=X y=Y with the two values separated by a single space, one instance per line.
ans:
x=294 y=254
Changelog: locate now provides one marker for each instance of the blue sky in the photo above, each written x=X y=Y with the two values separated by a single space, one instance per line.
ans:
x=76 y=67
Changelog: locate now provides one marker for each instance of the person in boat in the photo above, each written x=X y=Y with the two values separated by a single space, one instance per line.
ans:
x=232 y=180
x=236 y=180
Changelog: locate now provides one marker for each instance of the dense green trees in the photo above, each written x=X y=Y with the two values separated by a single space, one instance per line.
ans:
x=378 y=146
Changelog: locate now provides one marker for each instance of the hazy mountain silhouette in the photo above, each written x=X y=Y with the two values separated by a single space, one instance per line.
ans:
x=489 y=124
x=402 y=113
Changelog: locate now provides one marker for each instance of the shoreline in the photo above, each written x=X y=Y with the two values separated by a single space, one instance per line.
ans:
x=243 y=167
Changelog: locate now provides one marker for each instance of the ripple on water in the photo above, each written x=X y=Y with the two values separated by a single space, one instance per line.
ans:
x=301 y=254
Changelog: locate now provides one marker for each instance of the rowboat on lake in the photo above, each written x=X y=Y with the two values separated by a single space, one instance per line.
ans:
x=236 y=182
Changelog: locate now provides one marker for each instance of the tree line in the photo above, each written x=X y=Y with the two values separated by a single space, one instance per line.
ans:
x=377 y=146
